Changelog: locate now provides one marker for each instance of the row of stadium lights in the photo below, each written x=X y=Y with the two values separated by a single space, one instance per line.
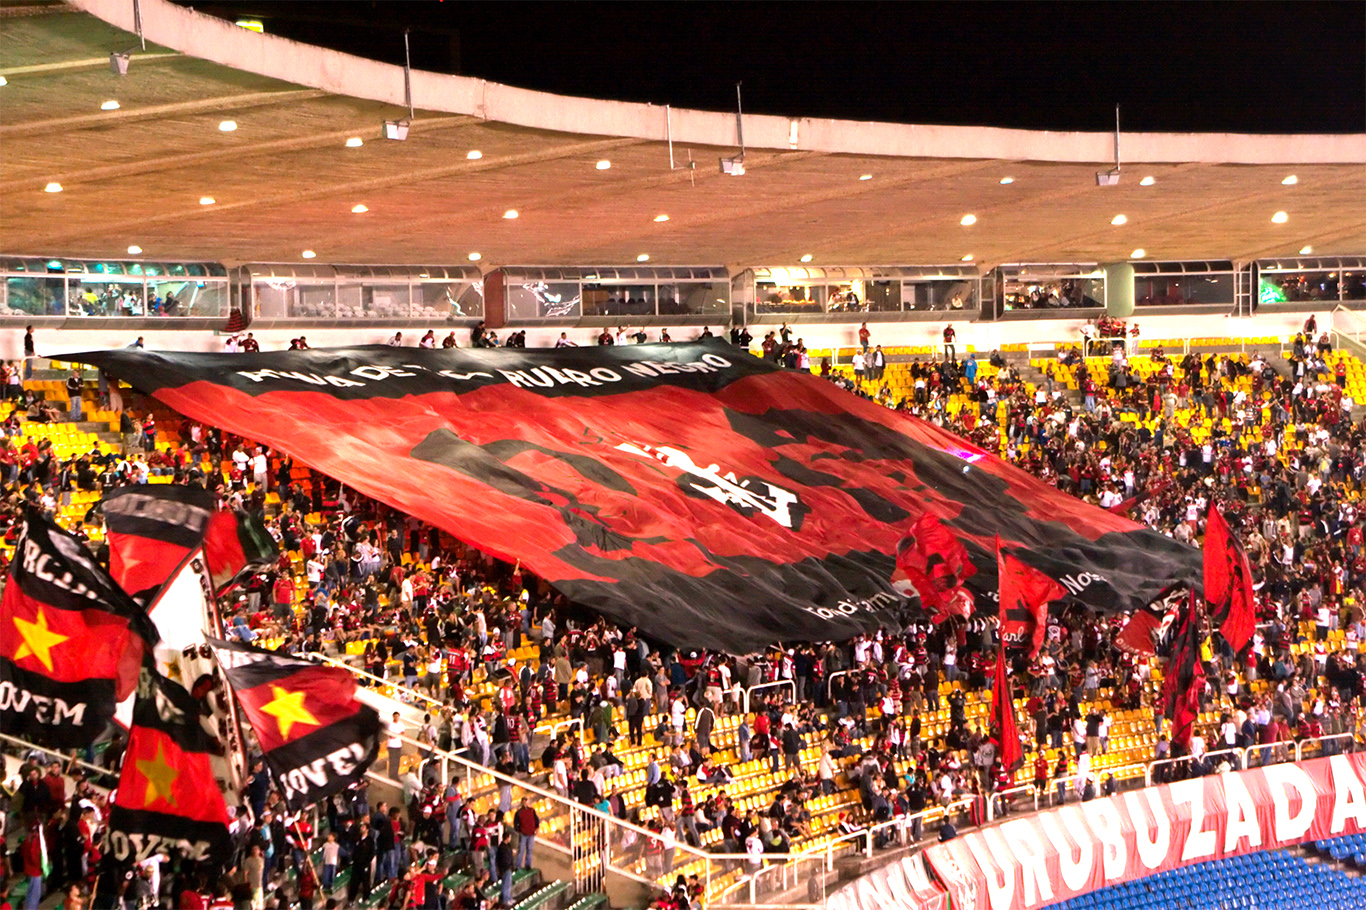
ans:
x=229 y=126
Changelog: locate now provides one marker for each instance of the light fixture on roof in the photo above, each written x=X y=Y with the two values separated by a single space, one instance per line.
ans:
x=661 y=218
x=1005 y=181
x=734 y=166
x=134 y=250
x=1138 y=253
x=474 y=155
x=252 y=25
x=1306 y=250
x=806 y=257
x=227 y=126
x=968 y=220
x=397 y=130
x=1119 y=219
x=1280 y=218
x=603 y=165
x=53 y=187
x=475 y=257
x=308 y=254
x=360 y=208
x=355 y=142
x=4 y=81
x=643 y=257
x=1147 y=181
x=110 y=105
x=1111 y=177
x=968 y=257
x=206 y=200
x=865 y=177
x=1290 y=181
x=511 y=214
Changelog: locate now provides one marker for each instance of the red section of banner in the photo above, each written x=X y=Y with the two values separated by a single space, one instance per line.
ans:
x=68 y=645
x=1055 y=855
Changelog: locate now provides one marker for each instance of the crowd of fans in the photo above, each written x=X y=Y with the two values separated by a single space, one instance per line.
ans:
x=1166 y=438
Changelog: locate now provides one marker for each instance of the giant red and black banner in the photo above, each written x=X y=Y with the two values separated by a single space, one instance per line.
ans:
x=1228 y=583
x=1051 y=856
x=704 y=495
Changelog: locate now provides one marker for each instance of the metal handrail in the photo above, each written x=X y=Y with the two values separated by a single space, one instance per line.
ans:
x=332 y=661
x=769 y=685
x=994 y=798
x=33 y=747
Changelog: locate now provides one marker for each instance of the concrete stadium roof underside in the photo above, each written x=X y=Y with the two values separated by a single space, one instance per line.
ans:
x=285 y=180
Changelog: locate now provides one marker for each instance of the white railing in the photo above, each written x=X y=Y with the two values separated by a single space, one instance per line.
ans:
x=1241 y=757
x=777 y=683
x=65 y=759
x=1355 y=323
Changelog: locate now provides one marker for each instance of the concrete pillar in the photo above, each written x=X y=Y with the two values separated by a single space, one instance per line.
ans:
x=1119 y=289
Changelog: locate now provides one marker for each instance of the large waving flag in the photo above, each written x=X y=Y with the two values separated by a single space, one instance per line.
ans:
x=168 y=799
x=1025 y=595
x=1185 y=678
x=705 y=496
x=1228 y=583
x=316 y=736
x=71 y=640
x=152 y=530
x=933 y=563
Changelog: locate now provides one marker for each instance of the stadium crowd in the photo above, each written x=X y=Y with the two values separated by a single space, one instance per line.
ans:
x=895 y=718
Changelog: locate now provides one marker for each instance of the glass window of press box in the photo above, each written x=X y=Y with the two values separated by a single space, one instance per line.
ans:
x=799 y=291
x=1158 y=284
x=75 y=288
x=1052 y=286
x=374 y=293
x=626 y=293
x=1337 y=280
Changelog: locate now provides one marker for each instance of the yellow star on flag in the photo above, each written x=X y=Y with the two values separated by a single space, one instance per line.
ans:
x=288 y=709
x=160 y=777
x=39 y=640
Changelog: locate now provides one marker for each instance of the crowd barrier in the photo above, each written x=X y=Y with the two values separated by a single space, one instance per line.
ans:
x=1037 y=860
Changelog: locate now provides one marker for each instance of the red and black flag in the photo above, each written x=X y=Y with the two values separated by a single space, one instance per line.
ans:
x=168 y=799
x=1003 y=713
x=237 y=545
x=71 y=640
x=1025 y=595
x=316 y=737
x=1228 y=583
x=1185 y=678
x=708 y=498
x=934 y=564
x=152 y=530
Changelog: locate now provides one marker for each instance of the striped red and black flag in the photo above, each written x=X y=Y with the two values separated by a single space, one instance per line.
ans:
x=168 y=799
x=237 y=545
x=152 y=530
x=1228 y=583
x=71 y=640
x=317 y=738
x=1185 y=679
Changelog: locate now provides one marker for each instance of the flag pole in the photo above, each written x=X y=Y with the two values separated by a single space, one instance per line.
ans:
x=213 y=619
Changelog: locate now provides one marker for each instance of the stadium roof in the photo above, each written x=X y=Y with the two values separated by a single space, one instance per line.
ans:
x=285 y=180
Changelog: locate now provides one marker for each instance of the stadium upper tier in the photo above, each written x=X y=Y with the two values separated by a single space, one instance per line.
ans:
x=222 y=144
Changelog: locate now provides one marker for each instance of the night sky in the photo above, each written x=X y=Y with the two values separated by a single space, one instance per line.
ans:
x=1179 y=66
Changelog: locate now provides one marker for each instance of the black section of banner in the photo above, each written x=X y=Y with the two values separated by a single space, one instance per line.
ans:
x=381 y=371
x=328 y=760
x=247 y=667
x=62 y=715
x=174 y=514
x=137 y=834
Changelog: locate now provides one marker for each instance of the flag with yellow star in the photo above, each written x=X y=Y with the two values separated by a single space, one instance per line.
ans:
x=71 y=640
x=315 y=736
x=167 y=797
